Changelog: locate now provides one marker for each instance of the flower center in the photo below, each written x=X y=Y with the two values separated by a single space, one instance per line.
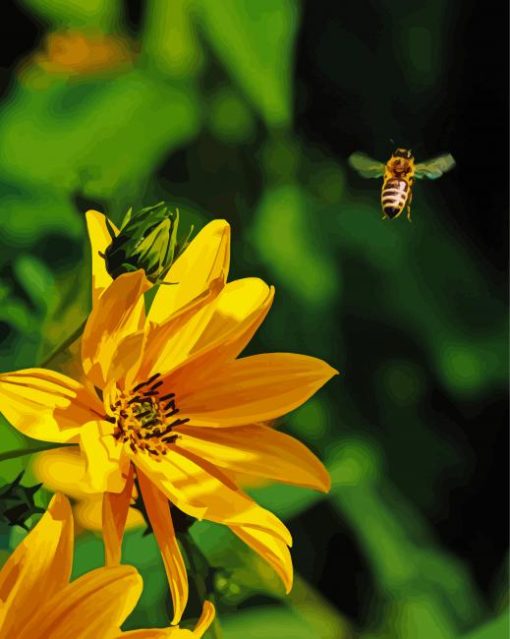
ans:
x=145 y=419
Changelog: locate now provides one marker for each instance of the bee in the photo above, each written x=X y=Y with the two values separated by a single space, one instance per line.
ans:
x=398 y=177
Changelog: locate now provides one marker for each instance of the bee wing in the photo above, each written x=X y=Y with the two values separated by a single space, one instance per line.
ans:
x=366 y=166
x=434 y=168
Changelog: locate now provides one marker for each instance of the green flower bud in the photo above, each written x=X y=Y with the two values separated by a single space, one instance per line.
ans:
x=147 y=240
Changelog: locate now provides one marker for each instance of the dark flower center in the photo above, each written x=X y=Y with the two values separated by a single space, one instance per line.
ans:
x=146 y=419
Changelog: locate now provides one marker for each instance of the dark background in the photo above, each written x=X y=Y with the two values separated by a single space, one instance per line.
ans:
x=464 y=111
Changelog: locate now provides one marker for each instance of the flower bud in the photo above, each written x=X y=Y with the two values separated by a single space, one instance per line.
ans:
x=147 y=240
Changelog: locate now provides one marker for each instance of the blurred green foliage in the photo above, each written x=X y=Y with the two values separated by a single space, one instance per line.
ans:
x=201 y=115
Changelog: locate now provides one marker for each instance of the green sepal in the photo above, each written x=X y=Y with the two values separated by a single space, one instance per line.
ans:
x=17 y=503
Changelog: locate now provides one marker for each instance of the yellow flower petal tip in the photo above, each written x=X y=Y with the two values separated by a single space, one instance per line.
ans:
x=205 y=620
x=323 y=481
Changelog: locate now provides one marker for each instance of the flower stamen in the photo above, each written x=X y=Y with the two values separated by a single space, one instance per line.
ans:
x=143 y=419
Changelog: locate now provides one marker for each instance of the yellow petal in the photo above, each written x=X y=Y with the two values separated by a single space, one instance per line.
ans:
x=107 y=466
x=118 y=313
x=94 y=605
x=259 y=450
x=216 y=332
x=239 y=310
x=158 y=511
x=205 y=621
x=99 y=241
x=204 y=260
x=165 y=341
x=203 y=624
x=115 y=512
x=270 y=548
x=252 y=389
x=201 y=490
x=61 y=469
x=46 y=405
x=127 y=359
x=39 y=567
x=88 y=514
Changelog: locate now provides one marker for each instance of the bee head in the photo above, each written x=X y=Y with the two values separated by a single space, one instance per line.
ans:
x=403 y=153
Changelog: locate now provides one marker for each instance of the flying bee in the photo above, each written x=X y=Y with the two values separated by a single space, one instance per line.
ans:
x=398 y=177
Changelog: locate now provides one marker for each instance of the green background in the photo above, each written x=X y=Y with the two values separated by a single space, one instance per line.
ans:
x=247 y=110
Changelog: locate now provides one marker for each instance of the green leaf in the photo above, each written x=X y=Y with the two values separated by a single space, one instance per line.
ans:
x=428 y=593
x=170 y=43
x=92 y=136
x=496 y=629
x=419 y=616
x=230 y=119
x=286 y=501
x=37 y=281
x=255 y=42
x=102 y=14
x=30 y=213
x=290 y=244
x=266 y=623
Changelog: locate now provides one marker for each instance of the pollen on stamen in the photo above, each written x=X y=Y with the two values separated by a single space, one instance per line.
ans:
x=143 y=420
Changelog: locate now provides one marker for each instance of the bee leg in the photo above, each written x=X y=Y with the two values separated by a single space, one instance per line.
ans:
x=409 y=206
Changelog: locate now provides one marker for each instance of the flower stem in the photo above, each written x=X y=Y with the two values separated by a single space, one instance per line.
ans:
x=20 y=452
x=200 y=571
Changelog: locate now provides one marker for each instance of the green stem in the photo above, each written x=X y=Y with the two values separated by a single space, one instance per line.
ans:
x=199 y=568
x=65 y=344
x=20 y=452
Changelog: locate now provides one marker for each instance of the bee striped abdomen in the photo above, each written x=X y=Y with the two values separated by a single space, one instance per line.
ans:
x=394 y=194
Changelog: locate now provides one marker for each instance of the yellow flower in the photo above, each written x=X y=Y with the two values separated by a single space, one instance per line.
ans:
x=167 y=395
x=83 y=53
x=37 y=601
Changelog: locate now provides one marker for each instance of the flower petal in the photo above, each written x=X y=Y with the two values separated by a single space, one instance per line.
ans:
x=216 y=332
x=115 y=512
x=238 y=312
x=158 y=511
x=107 y=466
x=46 y=405
x=259 y=450
x=205 y=620
x=61 y=469
x=271 y=549
x=252 y=389
x=203 y=624
x=88 y=514
x=39 y=567
x=201 y=490
x=95 y=605
x=204 y=260
x=100 y=239
x=242 y=304
x=167 y=344
x=118 y=313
